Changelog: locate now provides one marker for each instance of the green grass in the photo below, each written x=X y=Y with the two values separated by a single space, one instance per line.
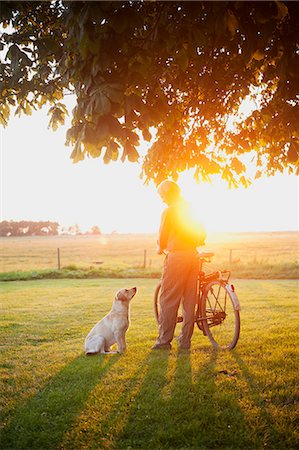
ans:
x=80 y=273
x=54 y=397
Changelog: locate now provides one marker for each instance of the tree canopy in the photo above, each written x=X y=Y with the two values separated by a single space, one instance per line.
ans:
x=173 y=73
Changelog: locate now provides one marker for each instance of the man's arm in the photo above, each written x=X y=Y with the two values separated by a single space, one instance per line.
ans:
x=163 y=232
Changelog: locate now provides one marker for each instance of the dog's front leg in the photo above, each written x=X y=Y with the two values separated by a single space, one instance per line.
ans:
x=121 y=342
x=124 y=344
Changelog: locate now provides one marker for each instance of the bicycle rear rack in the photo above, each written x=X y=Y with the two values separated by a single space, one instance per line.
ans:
x=223 y=275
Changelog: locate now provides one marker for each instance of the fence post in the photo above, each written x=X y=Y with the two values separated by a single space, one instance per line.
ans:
x=144 y=259
x=58 y=258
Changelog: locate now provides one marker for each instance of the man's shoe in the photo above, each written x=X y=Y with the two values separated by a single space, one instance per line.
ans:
x=161 y=347
x=181 y=348
x=185 y=347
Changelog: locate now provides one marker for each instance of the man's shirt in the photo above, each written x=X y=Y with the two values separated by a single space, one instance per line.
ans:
x=179 y=231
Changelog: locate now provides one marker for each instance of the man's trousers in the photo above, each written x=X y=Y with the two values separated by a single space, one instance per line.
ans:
x=179 y=285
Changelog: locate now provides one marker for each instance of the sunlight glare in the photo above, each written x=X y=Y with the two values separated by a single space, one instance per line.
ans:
x=103 y=241
x=221 y=209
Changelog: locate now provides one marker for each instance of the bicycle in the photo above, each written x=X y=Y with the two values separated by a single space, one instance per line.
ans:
x=217 y=312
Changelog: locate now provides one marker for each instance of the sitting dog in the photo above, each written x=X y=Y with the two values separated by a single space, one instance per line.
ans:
x=112 y=328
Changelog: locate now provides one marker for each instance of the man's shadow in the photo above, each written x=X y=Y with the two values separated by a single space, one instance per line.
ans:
x=42 y=421
x=197 y=407
x=148 y=406
x=165 y=408
x=267 y=433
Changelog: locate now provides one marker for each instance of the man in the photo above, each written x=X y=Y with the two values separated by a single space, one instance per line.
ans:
x=179 y=236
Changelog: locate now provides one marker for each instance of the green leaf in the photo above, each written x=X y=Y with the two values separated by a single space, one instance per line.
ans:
x=231 y=22
x=84 y=45
x=258 y=55
x=114 y=92
x=198 y=36
x=182 y=59
x=130 y=152
x=77 y=154
x=102 y=104
x=115 y=127
x=140 y=68
x=114 y=149
x=118 y=22
x=293 y=153
x=111 y=153
x=107 y=156
x=245 y=182
x=102 y=131
x=132 y=137
x=237 y=166
x=146 y=135
x=282 y=10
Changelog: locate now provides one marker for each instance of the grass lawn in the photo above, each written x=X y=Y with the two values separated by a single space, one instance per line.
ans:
x=54 y=397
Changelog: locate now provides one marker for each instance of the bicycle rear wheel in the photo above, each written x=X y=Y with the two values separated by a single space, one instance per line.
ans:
x=220 y=314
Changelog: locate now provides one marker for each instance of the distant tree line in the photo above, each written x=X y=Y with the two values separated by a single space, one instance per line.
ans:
x=41 y=228
x=28 y=228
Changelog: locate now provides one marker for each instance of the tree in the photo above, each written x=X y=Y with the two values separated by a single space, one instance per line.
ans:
x=95 y=230
x=180 y=68
x=28 y=228
x=74 y=230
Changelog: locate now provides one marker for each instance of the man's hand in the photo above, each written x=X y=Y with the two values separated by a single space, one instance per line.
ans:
x=159 y=250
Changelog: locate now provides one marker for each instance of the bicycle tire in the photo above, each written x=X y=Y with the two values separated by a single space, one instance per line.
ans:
x=220 y=313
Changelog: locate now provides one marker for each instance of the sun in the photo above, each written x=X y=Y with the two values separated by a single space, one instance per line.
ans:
x=206 y=200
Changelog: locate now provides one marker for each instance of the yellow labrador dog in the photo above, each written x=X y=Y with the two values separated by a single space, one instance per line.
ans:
x=112 y=328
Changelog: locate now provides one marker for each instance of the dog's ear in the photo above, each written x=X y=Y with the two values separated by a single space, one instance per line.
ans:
x=121 y=296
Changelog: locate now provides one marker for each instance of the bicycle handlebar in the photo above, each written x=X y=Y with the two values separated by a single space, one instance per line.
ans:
x=205 y=255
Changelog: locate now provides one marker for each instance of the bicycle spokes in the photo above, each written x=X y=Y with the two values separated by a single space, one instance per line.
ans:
x=221 y=320
x=215 y=308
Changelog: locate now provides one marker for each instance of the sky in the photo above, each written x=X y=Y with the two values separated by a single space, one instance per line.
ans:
x=39 y=182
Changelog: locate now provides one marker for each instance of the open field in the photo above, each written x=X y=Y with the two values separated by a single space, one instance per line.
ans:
x=248 y=255
x=54 y=397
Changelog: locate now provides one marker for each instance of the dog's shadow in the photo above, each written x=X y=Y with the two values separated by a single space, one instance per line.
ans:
x=42 y=421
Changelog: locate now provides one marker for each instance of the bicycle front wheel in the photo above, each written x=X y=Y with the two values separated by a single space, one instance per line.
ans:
x=220 y=314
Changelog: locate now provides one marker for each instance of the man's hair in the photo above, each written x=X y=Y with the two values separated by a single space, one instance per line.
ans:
x=169 y=187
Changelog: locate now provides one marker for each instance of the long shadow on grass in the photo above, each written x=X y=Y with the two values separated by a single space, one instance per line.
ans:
x=188 y=410
x=141 y=393
x=147 y=411
x=43 y=420
x=218 y=421
x=164 y=410
x=266 y=432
